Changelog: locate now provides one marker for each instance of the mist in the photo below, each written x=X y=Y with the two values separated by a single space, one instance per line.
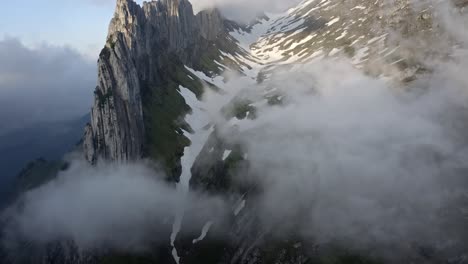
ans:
x=243 y=10
x=366 y=161
x=124 y=207
x=43 y=84
x=355 y=159
x=235 y=10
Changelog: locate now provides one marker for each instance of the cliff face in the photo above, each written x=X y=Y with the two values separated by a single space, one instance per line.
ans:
x=141 y=40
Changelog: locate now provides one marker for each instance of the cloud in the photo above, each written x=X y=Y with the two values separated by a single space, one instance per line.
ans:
x=46 y=83
x=352 y=158
x=239 y=10
x=111 y=3
x=110 y=206
x=244 y=10
x=359 y=156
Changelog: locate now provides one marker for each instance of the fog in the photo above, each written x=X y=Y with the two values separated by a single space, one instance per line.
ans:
x=235 y=10
x=356 y=159
x=43 y=84
x=244 y=10
x=110 y=206
x=362 y=160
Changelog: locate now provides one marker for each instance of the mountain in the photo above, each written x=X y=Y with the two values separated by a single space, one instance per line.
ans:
x=139 y=71
x=159 y=53
x=154 y=48
x=159 y=61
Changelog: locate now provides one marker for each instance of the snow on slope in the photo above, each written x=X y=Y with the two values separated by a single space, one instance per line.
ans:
x=198 y=120
x=358 y=29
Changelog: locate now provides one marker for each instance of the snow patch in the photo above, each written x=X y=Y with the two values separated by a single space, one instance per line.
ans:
x=206 y=228
x=197 y=120
x=226 y=154
x=239 y=207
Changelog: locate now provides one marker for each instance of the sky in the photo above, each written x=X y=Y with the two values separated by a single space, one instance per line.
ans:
x=48 y=55
x=49 y=50
x=80 y=24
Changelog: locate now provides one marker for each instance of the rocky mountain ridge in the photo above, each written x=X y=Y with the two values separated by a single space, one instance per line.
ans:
x=144 y=40
x=140 y=39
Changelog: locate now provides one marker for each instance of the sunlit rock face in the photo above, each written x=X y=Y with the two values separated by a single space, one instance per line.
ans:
x=140 y=40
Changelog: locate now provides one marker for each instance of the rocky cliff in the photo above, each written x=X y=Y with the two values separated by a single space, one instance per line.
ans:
x=143 y=43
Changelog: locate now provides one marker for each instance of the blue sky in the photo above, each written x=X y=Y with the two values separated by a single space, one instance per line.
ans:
x=81 y=24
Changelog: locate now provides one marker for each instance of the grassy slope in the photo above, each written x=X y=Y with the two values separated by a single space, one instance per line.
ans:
x=164 y=110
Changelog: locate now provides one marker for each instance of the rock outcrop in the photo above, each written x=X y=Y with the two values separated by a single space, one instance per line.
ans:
x=141 y=40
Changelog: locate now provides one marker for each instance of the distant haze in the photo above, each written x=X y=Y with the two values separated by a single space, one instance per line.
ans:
x=239 y=10
x=244 y=10
x=43 y=84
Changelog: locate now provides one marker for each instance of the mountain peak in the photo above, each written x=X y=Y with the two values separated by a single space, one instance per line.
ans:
x=127 y=12
x=141 y=40
x=126 y=6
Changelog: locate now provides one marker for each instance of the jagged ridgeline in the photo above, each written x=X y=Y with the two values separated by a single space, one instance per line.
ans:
x=138 y=111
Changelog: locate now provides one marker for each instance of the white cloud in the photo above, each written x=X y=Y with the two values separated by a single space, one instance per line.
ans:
x=240 y=10
x=116 y=206
x=244 y=10
x=45 y=83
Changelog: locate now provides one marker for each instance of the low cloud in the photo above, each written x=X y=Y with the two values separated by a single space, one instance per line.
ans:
x=43 y=84
x=240 y=10
x=361 y=160
x=352 y=158
x=110 y=206
x=244 y=10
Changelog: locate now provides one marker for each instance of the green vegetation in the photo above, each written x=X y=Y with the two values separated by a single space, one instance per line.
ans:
x=112 y=44
x=234 y=158
x=212 y=53
x=102 y=98
x=164 y=108
x=126 y=259
x=206 y=61
x=275 y=100
x=37 y=173
x=210 y=251
x=164 y=111
x=350 y=51
x=157 y=253
x=347 y=258
x=163 y=120
x=239 y=108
